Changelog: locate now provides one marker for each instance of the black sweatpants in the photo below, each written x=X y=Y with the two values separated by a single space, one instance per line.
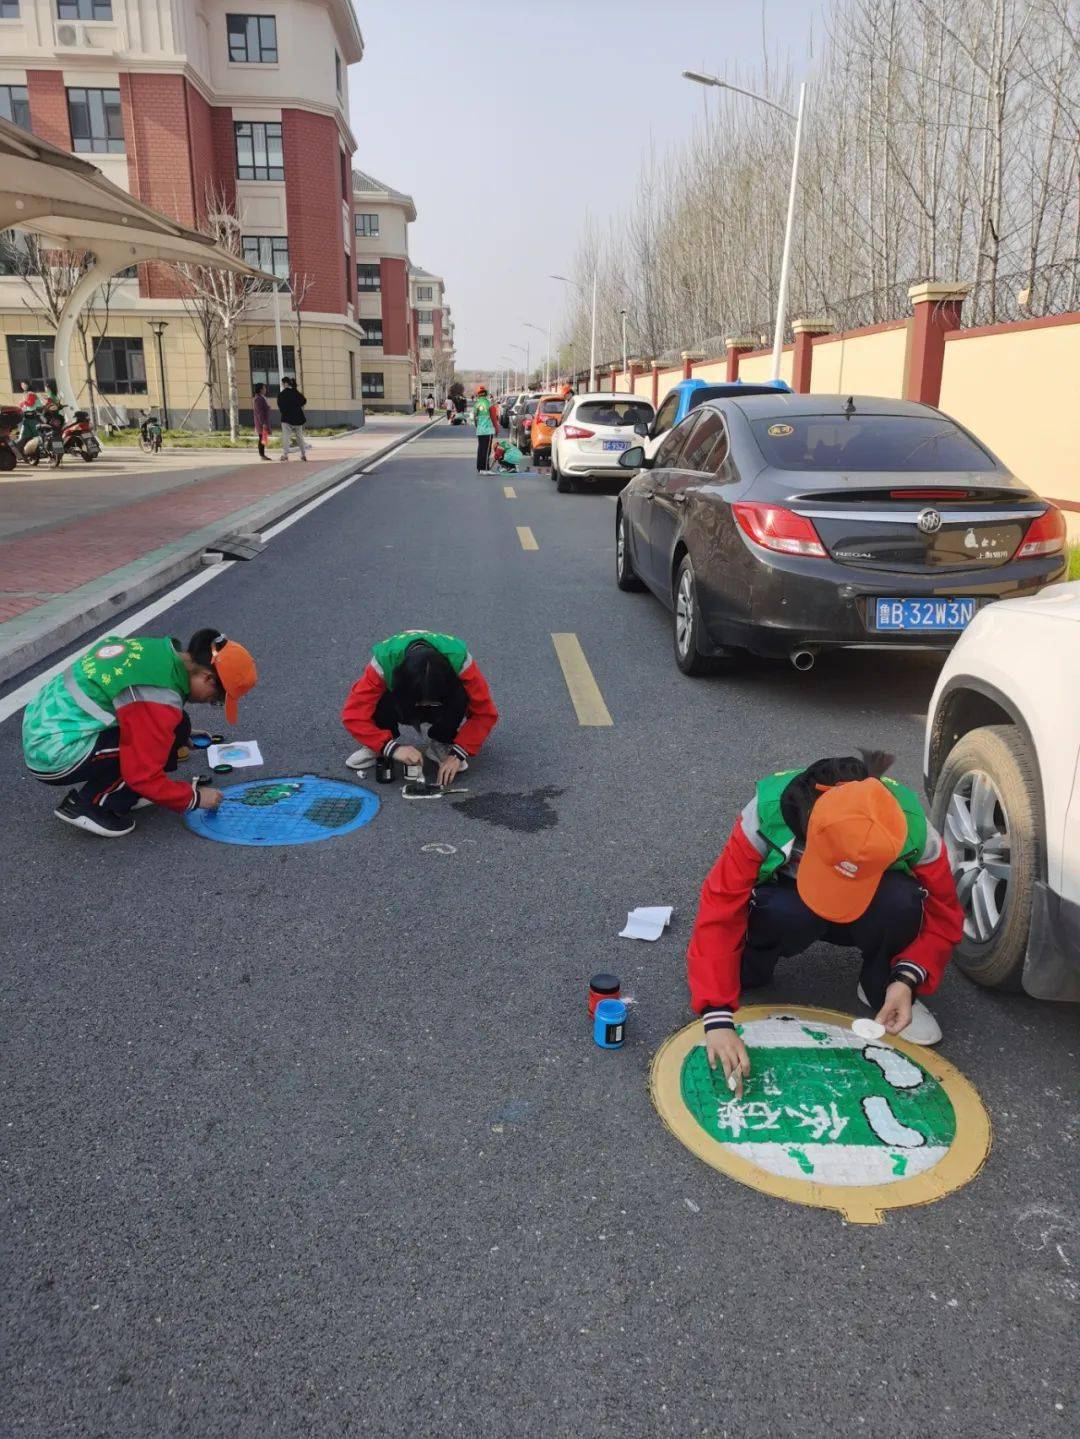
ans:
x=444 y=721
x=99 y=772
x=483 y=450
x=781 y=924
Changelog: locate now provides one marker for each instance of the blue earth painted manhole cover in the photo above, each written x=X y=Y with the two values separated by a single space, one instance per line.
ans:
x=296 y=809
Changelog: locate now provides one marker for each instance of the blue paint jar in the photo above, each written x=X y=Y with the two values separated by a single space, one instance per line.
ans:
x=609 y=1023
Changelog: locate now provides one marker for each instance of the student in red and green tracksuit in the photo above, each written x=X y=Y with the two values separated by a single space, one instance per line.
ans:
x=113 y=724
x=414 y=678
x=833 y=852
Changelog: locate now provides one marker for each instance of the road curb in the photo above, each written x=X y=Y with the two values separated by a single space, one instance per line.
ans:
x=84 y=609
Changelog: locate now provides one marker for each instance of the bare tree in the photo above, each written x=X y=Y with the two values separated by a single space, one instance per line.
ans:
x=298 y=290
x=225 y=293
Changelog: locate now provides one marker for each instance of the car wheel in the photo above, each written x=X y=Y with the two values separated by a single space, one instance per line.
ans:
x=984 y=808
x=625 y=576
x=564 y=484
x=686 y=619
x=555 y=474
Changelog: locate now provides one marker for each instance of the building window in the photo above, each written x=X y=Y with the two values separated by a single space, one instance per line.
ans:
x=252 y=39
x=82 y=9
x=371 y=331
x=426 y=317
x=367 y=225
x=424 y=292
x=97 y=126
x=263 y=363
x=9 y=10
x=14 y=102
x=426 y=342
x=267 y=252
x=338 y=73
x=371 y=385
x=368 y=277
x=352 y=375
x=258 y=150
x=30 y=358
x=119 y=365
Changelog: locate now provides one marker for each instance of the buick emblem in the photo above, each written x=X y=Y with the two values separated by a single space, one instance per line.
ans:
x=929 y=522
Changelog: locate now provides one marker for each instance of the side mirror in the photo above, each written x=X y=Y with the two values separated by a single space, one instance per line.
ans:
x=633 y=459
x=641 y=428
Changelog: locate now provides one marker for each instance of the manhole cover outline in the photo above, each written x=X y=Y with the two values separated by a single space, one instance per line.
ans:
x=330 y=789
x=861 y=1204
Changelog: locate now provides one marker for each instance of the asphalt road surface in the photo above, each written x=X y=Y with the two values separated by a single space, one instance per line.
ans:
x=317 y=1141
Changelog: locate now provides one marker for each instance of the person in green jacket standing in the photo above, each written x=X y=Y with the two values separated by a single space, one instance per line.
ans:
x=486 y=417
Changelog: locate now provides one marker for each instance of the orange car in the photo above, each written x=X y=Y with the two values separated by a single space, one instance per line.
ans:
x=548 y=414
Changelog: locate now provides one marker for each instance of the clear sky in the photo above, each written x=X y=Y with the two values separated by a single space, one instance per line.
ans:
x=509 y=120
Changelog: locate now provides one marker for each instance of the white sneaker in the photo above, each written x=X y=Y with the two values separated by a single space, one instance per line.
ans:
x=362 y=758
x=142 y=803
x=923 y=1029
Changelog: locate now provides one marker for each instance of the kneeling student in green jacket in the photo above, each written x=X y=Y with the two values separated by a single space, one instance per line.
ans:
x=113 y=723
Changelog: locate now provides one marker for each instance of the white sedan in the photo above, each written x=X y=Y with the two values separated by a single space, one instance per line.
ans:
x=1002 y=769
x=592 y=434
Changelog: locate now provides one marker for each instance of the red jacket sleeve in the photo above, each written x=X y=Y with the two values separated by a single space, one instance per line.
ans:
x=943 y=922
x=714 y=955
x=482 y=715
x=358 y=713
x=147 y=732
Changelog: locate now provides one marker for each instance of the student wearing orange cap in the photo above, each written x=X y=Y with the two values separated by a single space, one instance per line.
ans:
x=835 y=852
x=113 y=725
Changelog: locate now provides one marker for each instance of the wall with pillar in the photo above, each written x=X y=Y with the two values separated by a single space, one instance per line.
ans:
x=756 y=365
x=873 y=361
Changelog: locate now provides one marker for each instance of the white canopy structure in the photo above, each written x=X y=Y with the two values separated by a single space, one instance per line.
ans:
x=70 y=203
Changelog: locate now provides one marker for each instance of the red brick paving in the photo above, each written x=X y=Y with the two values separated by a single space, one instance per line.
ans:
x=61 y=559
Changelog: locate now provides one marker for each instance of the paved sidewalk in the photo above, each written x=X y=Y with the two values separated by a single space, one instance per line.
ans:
x=80 y=544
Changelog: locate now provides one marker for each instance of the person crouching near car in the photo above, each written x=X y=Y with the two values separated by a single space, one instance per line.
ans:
x=113 y=725
x=834 y=852
x=420 y=678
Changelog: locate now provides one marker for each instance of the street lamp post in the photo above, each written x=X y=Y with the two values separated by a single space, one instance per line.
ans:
x=592 y=331
x=511 y=374
x=785 y=262
x=159 y=327
x=622 y=313
x=525 y=351
x=547 y=349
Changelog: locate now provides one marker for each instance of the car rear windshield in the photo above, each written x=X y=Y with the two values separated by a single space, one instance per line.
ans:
x=530 y=406
x=904 y=443
x=551 y=407
x=615 y=412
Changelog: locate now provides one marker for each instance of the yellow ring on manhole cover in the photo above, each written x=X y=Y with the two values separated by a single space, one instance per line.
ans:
x=826 y=1118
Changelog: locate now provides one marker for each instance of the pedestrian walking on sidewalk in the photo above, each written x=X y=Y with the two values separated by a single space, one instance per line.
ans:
x=420 y=678
x=486 y=416
x=833 y=852
x=290 y=403
x=261 y=407
x=113 y=725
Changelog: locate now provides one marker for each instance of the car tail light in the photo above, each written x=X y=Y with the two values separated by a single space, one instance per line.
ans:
x=1046 y=535
x=778 y=529
x=578 y=432
x=527 y=422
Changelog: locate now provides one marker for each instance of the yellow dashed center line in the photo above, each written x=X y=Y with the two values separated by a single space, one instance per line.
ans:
x=584 y=691
x=527 y=538
x=510 y=492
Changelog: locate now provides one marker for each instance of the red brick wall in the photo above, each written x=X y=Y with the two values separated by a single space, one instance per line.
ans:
x=394 y=280
x=48 y=107
x=313 y=206
x=224 y=148
x=200 y=136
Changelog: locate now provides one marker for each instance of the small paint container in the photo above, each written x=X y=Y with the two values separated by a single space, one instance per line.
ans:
x=384 y=770
x=201 y=741
x=609 y=1023
x=602 y=986
x=222 y=768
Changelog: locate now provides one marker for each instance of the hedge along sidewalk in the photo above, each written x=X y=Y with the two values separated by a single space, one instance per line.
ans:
x=60 y=583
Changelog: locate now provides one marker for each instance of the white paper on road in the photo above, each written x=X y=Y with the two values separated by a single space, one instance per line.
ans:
x=238 y=752
x=647 y=922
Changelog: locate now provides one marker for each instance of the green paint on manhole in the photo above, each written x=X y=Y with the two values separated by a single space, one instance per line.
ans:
x=822 y=1104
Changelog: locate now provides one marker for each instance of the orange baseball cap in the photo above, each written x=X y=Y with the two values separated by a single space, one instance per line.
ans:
x=236 y=673
x=856 y=831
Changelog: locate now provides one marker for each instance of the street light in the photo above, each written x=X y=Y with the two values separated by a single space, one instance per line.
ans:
x=623 y=315
x=547 y=350
x=509 y=360
x=525 y=351
x=159 y=327
x=785 y=263
x=592 y=337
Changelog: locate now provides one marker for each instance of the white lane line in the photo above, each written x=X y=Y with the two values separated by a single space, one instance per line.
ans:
x=12 y=703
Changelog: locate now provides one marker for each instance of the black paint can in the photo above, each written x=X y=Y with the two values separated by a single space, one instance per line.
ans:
x=384 y=770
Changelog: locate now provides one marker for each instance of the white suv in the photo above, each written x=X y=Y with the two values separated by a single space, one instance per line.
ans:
x=1002 y=769
x=592 y=434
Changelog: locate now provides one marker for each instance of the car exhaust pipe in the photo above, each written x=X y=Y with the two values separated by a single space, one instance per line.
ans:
x=803 y=660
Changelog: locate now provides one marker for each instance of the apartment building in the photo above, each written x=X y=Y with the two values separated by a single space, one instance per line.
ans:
x=401 y=307
x=188 y=104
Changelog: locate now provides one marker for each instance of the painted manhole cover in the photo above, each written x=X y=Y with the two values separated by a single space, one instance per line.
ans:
x=298 y=809
x=826 y=1118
